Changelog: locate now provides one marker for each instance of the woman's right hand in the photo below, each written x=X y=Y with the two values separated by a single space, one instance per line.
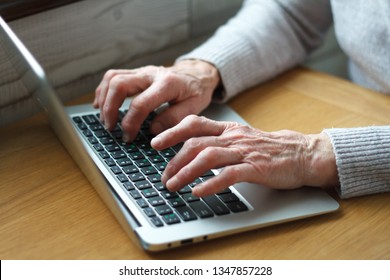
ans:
x=187 y=87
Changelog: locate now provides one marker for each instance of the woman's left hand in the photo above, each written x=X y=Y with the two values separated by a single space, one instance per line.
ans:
x=281 y=160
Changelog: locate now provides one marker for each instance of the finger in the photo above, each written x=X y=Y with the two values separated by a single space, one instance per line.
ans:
x=102 y=89
x=142 y=105
x=209 y=158
x=95 y=102
x=191 y=126
x=229 y=176
x=174 y=114
x=187 y=153
x=120 y=87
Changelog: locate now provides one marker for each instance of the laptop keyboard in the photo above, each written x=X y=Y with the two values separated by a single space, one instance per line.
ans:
x=138 y=168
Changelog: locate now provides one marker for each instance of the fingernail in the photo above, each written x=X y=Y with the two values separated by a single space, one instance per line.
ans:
x=172 y=184
x=156 y=141
x=126 y=138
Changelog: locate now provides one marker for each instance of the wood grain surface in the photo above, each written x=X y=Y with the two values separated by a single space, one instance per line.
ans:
x=48 y=210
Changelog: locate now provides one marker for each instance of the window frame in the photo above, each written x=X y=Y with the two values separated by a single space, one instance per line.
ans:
x=16 y=9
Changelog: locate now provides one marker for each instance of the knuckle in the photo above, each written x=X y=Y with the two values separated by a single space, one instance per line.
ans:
x=117 y=83
x=210 y=153
x=234 y=174
x=138 y=104
x=194 y=120
x=192 y=143
x=109 y=74
x=171 y=79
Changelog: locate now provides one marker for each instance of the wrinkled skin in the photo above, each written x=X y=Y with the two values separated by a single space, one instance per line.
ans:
x=282 y=159
x=187 y=86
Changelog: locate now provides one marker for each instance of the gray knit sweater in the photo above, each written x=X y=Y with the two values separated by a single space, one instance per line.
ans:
x=268 y=37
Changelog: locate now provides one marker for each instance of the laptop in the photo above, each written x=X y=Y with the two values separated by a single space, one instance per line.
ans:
x=127 y=175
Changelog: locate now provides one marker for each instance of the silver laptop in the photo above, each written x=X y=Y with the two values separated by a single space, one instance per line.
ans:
x=127 y=175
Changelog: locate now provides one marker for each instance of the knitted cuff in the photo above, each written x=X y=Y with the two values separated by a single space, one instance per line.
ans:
x=362 y=158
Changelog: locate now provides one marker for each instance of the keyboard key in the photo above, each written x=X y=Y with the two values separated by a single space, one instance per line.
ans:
x=130 y=169
x=156 y=159
x=139 y=138
x=161 y=166
x=149 y=212
x=148 y=193
x=122 y=178
x=142 y=203
x=136 y=177
x=110 y=162
x=185 y=213
x=82 y=126
x=77 y=119
x=216 y=205
x=118 y=154
x=124 y=162
x=130 y=148
x=107 y=140
x=228 y=197
x=201 y=209
x=136 y=155
x=156 y=201
x=95 y=127
x=87 y=133
x=163 y=210
x=116 y=170
x=167 y=194
x=142 y=162
x=90 y=119
x=156 y=221
x=171 y=219
x=104 y=155
x=113 y=148
x=149 y=151
x=148 y=170
x=92 y=140
x=142 y=185
x=189 y=197
x=98 y=147
x=143 y=145
x=101 y=133
x=168 y=153
x=160 y=187
x=154 y=178
x=237 y=206
x=176 y=202
x=128 y=186
x=135 y=194
x=118 y=135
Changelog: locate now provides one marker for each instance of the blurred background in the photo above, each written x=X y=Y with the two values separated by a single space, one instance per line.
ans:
x=76 y=41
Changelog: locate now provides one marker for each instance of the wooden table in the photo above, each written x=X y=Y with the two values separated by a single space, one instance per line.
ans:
x=48 y=210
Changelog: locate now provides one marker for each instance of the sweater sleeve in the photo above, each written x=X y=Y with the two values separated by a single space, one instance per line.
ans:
x=362 y=158
x=264 y=39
